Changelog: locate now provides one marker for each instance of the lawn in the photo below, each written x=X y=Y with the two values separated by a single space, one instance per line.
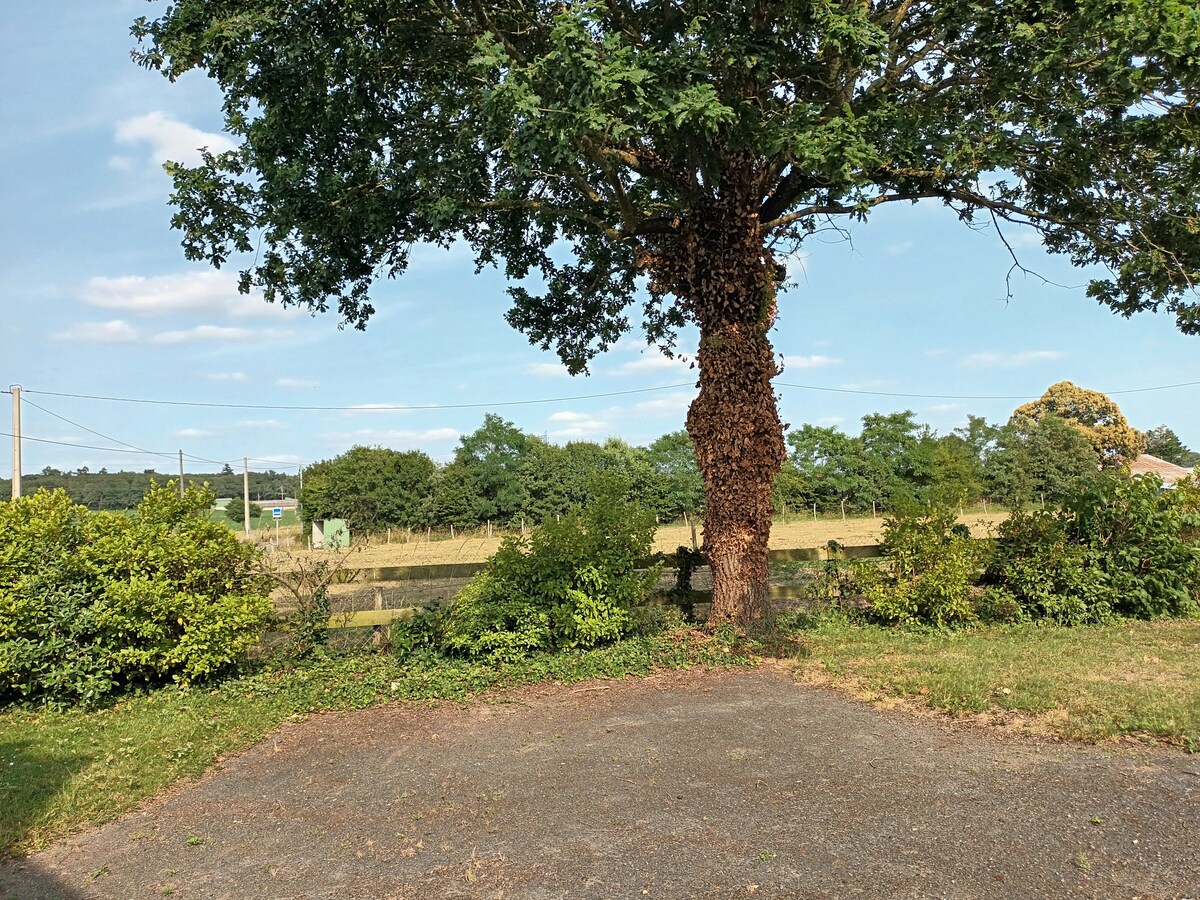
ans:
x=1091 y=683
x=67 y=771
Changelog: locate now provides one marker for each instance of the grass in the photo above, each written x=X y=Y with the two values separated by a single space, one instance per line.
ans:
x=1092 y=683
x=62 y=772
x=795 y=532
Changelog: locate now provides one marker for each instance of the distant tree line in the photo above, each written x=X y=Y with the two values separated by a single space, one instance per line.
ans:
x=124 y=490
x=502 y=475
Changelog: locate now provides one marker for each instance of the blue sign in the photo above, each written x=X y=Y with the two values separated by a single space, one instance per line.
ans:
x=277 y=512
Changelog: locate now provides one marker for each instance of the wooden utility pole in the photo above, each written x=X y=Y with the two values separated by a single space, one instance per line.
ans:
x=16 y=454
x=246 y=492
x=181 y=474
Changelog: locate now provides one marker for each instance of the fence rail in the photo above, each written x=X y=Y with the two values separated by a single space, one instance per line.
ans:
x=398 y=610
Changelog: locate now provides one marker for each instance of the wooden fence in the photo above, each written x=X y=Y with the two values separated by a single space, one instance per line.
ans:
x=380 y=617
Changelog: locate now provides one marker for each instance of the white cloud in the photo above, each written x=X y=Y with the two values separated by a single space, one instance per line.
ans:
x=933 y=354
x=417 y=440
x=205 y=292
x=945 y=407
x=294 y=383
x=547 y=370
x=831 y=421
x=262 y=425
x=217 y=333
x=862 y=385
x=589 y=429
x=810 y=362
x=202 y=333
x=577 y=425
x=359 y=408
x=121 y=163
x=670 y=404
x=227 y=377
x=192 y=433
x=656 y=363
x=117 y=331
x=170 y=139
x=993 y=360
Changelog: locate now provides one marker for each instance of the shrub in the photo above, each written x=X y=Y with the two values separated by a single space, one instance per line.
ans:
x=91 y=603
x=1039 y=572
x=569 y=583
x=932 y=566
x=1119 y=546
x=1142 y=540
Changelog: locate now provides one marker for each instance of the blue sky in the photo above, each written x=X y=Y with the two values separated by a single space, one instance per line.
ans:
x=98 y=300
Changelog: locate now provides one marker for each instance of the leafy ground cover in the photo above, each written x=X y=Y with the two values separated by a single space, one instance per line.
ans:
x=61 y=772
x=1091 y=683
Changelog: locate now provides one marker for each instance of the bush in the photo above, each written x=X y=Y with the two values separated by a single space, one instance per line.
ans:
x=93 y=603
x=1038 y=572
x=1119 y=546
x=1142 y=539
x=931 y=569
x=569 y=583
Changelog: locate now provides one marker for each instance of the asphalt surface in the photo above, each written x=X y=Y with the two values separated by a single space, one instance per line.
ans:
x=701 y=784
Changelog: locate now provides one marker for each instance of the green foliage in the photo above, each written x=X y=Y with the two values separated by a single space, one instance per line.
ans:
x=1119 y=546
x=1165 y=444
x=91 y=604
x=1038 y=461
x=235 y=511
x=569 y=583
x=1137 y=535
x=1038 y=572
x=369 y=487
x=932 y=566
x=674 y=458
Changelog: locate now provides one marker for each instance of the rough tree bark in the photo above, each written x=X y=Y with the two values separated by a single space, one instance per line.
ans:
x=728 y=280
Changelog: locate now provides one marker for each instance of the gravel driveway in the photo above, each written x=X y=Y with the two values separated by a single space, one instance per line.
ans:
x=700 y=784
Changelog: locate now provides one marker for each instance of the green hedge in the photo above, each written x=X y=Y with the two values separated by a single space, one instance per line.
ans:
x=95 y=603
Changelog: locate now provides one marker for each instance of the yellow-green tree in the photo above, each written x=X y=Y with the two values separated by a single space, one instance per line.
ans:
x=1096 y=416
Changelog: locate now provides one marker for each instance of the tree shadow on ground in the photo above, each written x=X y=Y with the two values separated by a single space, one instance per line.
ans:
x=31 y=778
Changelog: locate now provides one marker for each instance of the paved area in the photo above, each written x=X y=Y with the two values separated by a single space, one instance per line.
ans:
x=702 y=784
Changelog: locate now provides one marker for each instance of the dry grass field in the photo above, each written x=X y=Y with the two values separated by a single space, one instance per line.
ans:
x=784 y=536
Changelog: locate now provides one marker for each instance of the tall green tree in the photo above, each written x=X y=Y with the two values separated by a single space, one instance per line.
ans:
x=674 y=459
x=1095 y=415
x=1165 y=444
x=584 y=144
x=1039 y=461
x=492 y=452
x=369 y=487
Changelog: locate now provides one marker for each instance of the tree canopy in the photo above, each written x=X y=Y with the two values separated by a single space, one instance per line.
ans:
x=1096 y=416
x=589 y=147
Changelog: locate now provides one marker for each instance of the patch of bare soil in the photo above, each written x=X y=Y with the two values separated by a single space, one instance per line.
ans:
x=700 y=784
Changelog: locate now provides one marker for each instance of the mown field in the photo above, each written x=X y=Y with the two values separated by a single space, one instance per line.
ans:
x=404 y=550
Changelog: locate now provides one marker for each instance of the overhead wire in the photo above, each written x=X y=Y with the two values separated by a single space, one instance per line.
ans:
x=361 y=407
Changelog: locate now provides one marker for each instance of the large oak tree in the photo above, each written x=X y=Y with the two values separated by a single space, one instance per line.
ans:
x=588 y=145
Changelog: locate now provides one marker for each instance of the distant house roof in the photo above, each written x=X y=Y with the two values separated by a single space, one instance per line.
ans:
x=1167 y=471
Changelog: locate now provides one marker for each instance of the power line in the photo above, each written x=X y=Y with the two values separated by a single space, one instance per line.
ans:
x=359 y=407
x=108 y=437
x=809 y=387
x=93 y=431
x=26 y=437
x=667 y=387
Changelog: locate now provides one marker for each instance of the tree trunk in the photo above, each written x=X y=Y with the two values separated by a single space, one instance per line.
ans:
x=728 y=281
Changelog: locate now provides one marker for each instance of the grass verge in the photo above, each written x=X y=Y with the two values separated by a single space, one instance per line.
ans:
x=1086 y=683
x=62 y=772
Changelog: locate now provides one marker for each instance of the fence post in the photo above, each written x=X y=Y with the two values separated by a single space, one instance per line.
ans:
x=377 y=636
